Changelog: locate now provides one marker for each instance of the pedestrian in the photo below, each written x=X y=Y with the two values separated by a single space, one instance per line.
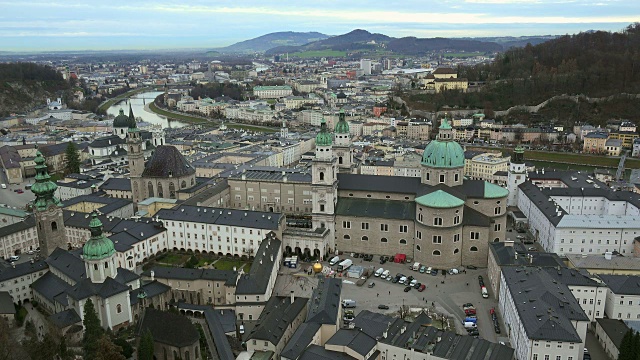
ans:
x=389 y=292
x=433 y=304
x=436 y=285
x=467 y=284
x=378 y=295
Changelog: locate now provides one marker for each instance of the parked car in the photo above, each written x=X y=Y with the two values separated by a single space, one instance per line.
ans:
x=241 y=329
x=423 y=268
x=30 y=252
x=14 y=258
x=413 y=283
x=356 y=255
x=383 y=307
x=532 y=248
x=417 y=285
x=453 y=271
x=434 y=272
x=520 y=237
x=371 y=284
x=20 y=191
x=422 y=287
x=471 y=267
x=407 y=289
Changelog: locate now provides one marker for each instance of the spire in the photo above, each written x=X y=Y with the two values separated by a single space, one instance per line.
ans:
x=98 y=246
x=44 y=188
x=342 y=126
x=324 y=137
x=133 y=126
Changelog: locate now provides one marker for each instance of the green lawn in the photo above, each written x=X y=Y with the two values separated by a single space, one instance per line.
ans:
x=229 y=264
x=110 y=102
x=318 y=53
x=173 y=259
x=593 y=160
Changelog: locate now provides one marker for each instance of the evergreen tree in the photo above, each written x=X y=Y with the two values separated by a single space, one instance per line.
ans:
x=145 y=350
x=107 y=350
x=627 y=347
x=93 y=331
x=72 y=158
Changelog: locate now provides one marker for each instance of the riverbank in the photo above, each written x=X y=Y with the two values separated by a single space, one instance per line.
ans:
x=107 y=104
x=198 y=120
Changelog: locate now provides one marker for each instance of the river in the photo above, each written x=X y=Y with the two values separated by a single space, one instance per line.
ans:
x=138 y=102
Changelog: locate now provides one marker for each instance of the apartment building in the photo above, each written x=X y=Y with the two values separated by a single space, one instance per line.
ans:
x=623 y=296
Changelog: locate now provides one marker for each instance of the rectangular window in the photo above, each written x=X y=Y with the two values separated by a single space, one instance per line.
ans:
x=365 y=226
x=496 y=227
x=384 y=227
x=404 y=229
x=475 y=235
x=437 y=239
x=442 y=177
x=497 y=210
x=346 y=224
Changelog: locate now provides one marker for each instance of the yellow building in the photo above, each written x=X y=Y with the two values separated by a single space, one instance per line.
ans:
x=595 y=142
x=451 y=84
x=627 y=137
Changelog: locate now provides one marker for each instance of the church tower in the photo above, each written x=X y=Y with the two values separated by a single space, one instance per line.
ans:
x=47 y=210
x=324 y=185
x=136 y=159
x=99 y=254
x=517 y=175
x=284 y=130
x=342 y=145
x=443 y=159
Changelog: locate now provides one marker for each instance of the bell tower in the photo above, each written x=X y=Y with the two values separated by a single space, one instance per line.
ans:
x=516 y=176
x=342 y=146
x=47 y=210
x=99 y=253
x=324 y=184
x=136 y=159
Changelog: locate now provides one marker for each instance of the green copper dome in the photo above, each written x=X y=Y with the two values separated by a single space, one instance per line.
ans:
x=121 y=120
x=98 y=247
x=443 y=152
x=439 y=199
x=342 y=127
x=44 y=188
x=324 y=137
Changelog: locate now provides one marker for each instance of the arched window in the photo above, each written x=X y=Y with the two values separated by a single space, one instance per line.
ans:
x=54 y=226
x=172 y=190
x=106 y=265
x=496 y=240
x=118 y=308
x=186 y=355
x=95 y=266
x=436 y=252
x=455 y=251
x=384 y=240
x=437 y=221
x=340 y=160
x=321 y=176
x=365 y=238
x=347 y=237
x=403 y=242
x=473 y=248
x=150 y=188
x=160 y=192
x=183 y=185
x=456 y=219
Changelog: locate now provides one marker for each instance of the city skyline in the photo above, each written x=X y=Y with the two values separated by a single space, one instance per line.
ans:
x=144 y=25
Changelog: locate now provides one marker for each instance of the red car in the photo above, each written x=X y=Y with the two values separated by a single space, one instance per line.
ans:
x=470 y=312
x=422 y=287
x=19 y=191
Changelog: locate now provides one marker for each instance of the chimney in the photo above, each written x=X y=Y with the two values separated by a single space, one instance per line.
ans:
x=509 y=243
x=153 y=275
x=530 y=259
x=515 y=256
x=403 y=329
x=384 y=334
x=607 y=255
x=293 y=297
x=271 y=257
x=221 y=311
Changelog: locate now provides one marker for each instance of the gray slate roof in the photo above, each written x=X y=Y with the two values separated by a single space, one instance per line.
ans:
x=315 y=352
x=166 y=272
x=116 y=184
x=223 y=348
x=375 y=208
x=50 y=287
x=354 y=339
x=614 y=328
x=220 y=216
x=68 y=263
x=393 y=184
x=65 y=318
x=505 y=255
x=6 y=303
x=28 y=223
x=622 y=284
x=300 y=340
x=257 y=280
x=167 y=161
x=21 y=270
x=546 y=307
x=325 y=301
x=276 y=317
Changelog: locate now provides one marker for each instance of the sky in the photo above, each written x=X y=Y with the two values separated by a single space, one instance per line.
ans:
x=59 y=25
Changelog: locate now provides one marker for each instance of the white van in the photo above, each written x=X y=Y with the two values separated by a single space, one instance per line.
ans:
x=469 y=325
x=14 y=258
x=485 y=293
x=4 y=186
x=334 y=260
x=379 y=272
x=346 y=303
x=385 y=274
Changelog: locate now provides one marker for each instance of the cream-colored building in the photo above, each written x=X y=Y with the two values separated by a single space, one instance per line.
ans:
x=595 y=142
x=18 y=238
x=486 y=166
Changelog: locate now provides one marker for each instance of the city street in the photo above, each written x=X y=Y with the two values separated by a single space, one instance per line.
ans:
x=11 y=198
x=447 y=298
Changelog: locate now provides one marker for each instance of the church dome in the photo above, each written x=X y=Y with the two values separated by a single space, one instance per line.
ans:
x=443 y=152
x=98 y=247
x=342 y=127
x=44 y=189
x=324 y=137
x=121 y=120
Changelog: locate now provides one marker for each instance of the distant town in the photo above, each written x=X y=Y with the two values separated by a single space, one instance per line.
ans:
x=279 y=207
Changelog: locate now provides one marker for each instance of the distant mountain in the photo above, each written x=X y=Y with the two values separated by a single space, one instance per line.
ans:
x=416 y=46
x=268 y=41
x=362 y=40
x=508 y=42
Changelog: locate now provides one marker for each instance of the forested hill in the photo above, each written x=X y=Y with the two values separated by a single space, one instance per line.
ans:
x=596 y=64
x=26 y=85
x=593 y=63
